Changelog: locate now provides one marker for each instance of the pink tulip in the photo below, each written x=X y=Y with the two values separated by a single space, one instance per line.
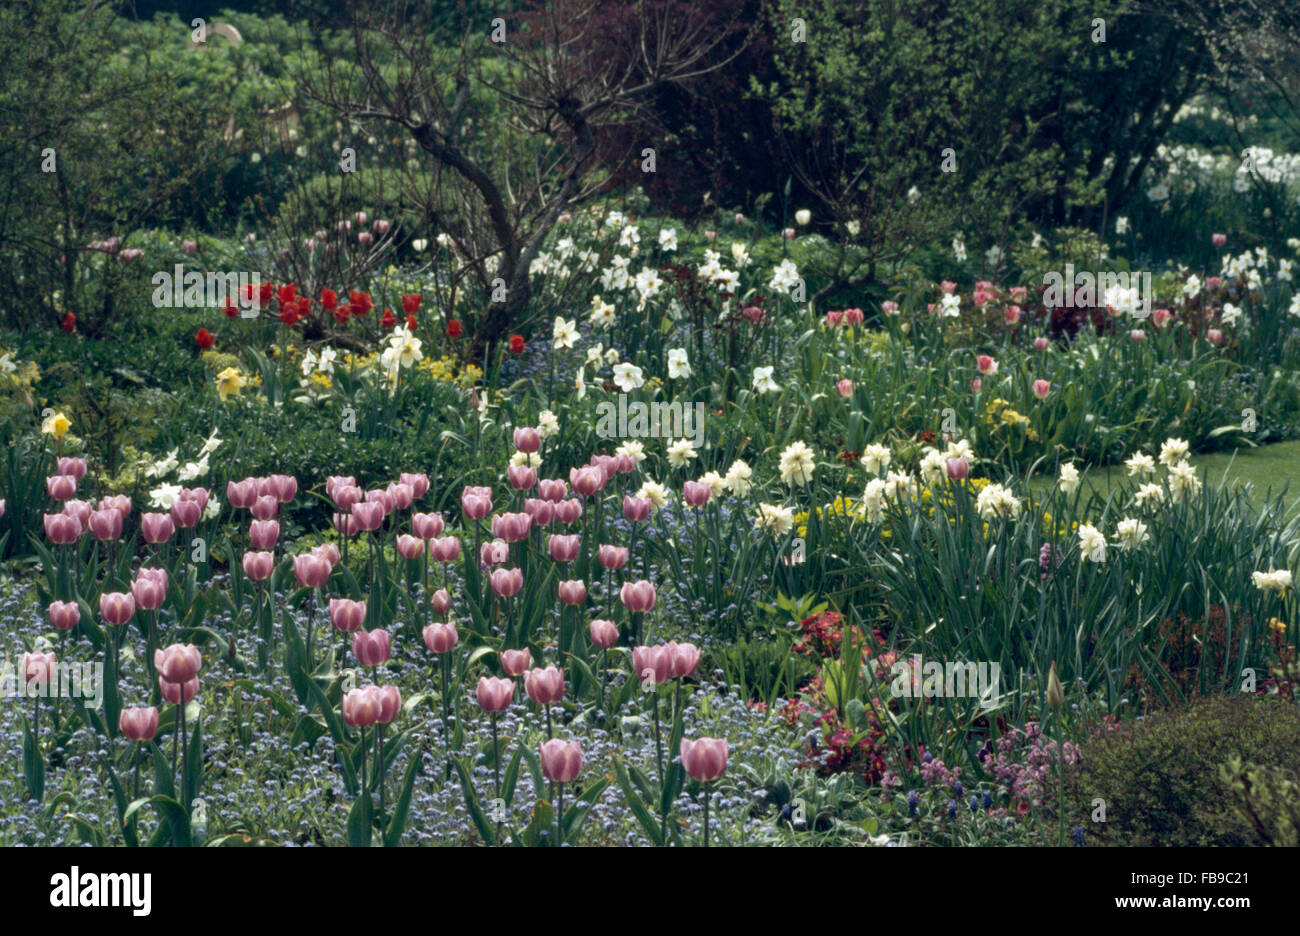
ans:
x=368 y=516
x=61 y=487
x=139 y=723
x=1161 y=317
x=150 y=589
x=334 y=482
x=573 y=592
x=612 y=558
x=265 y=507
x=384 y=498
x=604 y=634
x=2 y=506
x=186 y=513
x=494 y=694
x=986 y=364
x=1219 y=240
x=1214 y=336
x=638 y=596
x=527 y=439
x=427 y=525
x=493 y=553
x=686 y=657
x=73 y=467
x=409 y=547
x=172 y=692
x=516 y=662
x=624 y=464
x=511 y=527
x=1013 y=314
x=105 y=525
x=1042 y=388
x=545 y=686
x=241 y=493
x=607 y=464
x=345 y=524
x=475 y=507
x=258 y=566
x=119 y=502
x=552 y=489
x=347 y=496
x=587 y=481
x=696 y=494
x=418 y=482
x=445 y=549
x=561 y=760
x=1041 y=343
x=521 y=477
x=403 y=496
x=178 y=663
x=263 y=534
x=361 y=708
x=568 y=511
x=654 y=664
x=975 y=385
x=390 y=703
x=198 y=494
x=1137 y=335
x=636 y=509
x=81 y=510
x=441 y=601
x=506 y=583
x=347 y=615
x=116 y=607
x=704 y=759
x=564 y=548
x=311 y=571
x=845 y=387
x=542 y=512
x=957 y=468
x=38 y=668
x=64 y=615
x=440 y=638
x=371 y=647
x=62 y=529
x=283 y=488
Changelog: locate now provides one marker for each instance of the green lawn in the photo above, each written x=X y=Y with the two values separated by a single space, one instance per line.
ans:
x=1271 y=466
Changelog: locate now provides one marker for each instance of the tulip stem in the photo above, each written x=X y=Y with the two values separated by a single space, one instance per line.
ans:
x=708 y=795
x=659 y=745
x=311 y=629
x=185 y=753
x=446 y=710
x=380 y=772
x=559 y=815
x=496 y=765
x=135 y=783
x=365 y=787
x=604 y=675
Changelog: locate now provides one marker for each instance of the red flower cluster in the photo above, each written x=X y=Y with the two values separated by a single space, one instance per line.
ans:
x=517 y=344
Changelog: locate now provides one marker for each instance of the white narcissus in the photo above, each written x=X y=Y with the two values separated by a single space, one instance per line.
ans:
x=876 y=457
x=1183 y=482
x=1068 y=482
x=679 y=367
x=763 y=381
x=680 y=453
x=797 y=464
x=1274 y=580
x=1091 y=543
x=628 y=377
x=1132 y=533
x=738 y=476
x=776 y=520
x=1140 y=464
x=654 y=492
x=633 y=450
x=564 y=334
x=1148 y=494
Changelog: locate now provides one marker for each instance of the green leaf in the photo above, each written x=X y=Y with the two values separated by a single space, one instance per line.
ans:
x=576 y=814
x=512 y=775
x=33 y=764
x=397 y=824
x=471 y=803
x=648 y=823
x=359 y=830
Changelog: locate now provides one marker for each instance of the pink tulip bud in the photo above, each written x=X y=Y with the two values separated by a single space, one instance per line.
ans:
x=445 y=549
x=587 y=481
x=638 y=596
x=368 y=516
x=116 y=608
x=371 y=648
x=427 y=525
x=542 y=512
x=265 y=507
x=440 y=638
x=845 y=387
x=512 y=527
x=441 y=601
x=365 y=238
x=521 y=478
x=64 y=615
x=409 y=547
x=561 y=760
x=958 y=468
x=381 y=226
x=711 y=235
x=573 y=592
x=419 y=484
x=568 y=511
x=527 y=439
x=493 y=553
x=61 y=487
x=360 y=707
x=516 y=662
x=156 y=527
x=1219 y=240
x=189 y=246
x=506 y=583
x=173 y=692
x=178 y=663
x=696 y=494
x=612 y=558
x=186 y=513
x=1041 y=343
x=564 y=548
x=604 y=634
x=1013 y=314
x=62 y=529
x=1214 y=336
x=403 y=495
x=705 y=759
x=652 y=664
x=475 y=507
x=105 y=525
x=241 y=493
x=361 y=217
x=552 y=489
x=347 y=615
x=636 y=509
x=494 y=694
x=545 y=686
x=986 y=364
x=1042 y=388
x=390 y=703
x=975 y=385
x=1137 y=335
x=139 y=723
x=258 y=566
x=311 y=571
x=74 y=467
